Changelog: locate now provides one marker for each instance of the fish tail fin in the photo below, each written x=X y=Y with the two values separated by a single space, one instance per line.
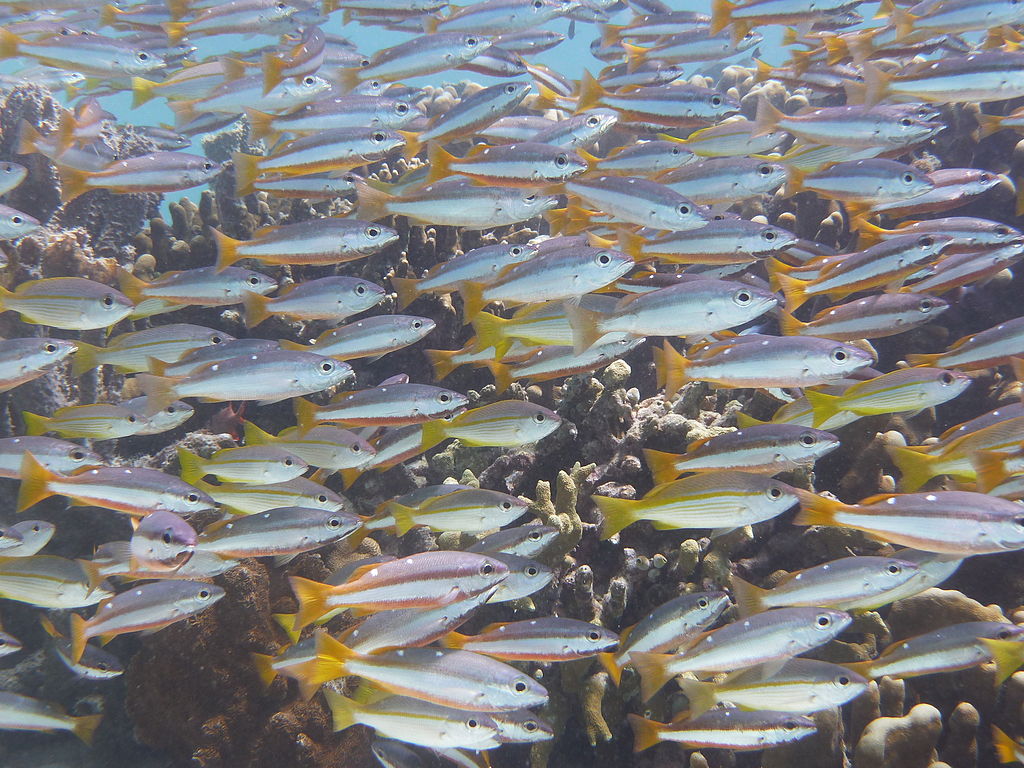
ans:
x=921 y=359
x=343 y=710
x=794 y=290
x=989 y=468
x=407 y=289
x=744 y=420
x=591 y=92
x=614 y=671
x=349 y=476
x=35 y=483
x=10 y=44
x=312 y=597
x=403 y=515
x=988 y=124
x=227 y=247
x=73 y=182
x=546 y=98
x=442 y=361
x=273 y=71
x=789 y=325
x=1006 y=748
x=264 y=664
x=670 y=367
x=432 y=433
x=653 y=670
x=35 y=424
x=371 y=202
x=794 y=181
x=440 y=161
x=616 y=514
x=490 y=331
x=586 y=327
x=767 y=118
x=856 y=91
x=286 y=621
x=87 y=357
x=915 y=467
x=413 y=145
x=749 y=598
x=646 y=733
x=175 y=31
x=503 y=375
x=131 y=286
x=721 y=15
x=636 y=55
x=77 y=636
x=876 y=83
x=256 y=436
x=246 y=171
x=825 y=406
x=903 y=21
x=453 y=640
x=763 y=71
x=142 y=91
x=29 y=139
x=836 y=49
x=815 y=509
x=1007 y=654
x=305 y=413
x=870 y=234
x=609 y=34
x=347 y=80
x=701 y=695
x=159 y=389
x=193 y=467
x=256 y=308
x=85 y=727
x=473 y=300
x=662 y=465
x=261 y=124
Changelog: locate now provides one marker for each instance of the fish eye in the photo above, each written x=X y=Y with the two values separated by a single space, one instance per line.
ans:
x=790 y=725
x=515 y=250
x=683 y=209
x=108 y=301
x=894 y=569
x=471 y=723
x=743 y=297
x=35 y=529
x=326 y=366
x=360 y=289
x=142 y=56
x=839 y=356
x=378 y=137
x=775 y=492
x=530 y=726
x=510 y=88
x=906 y=122
x=604 y=259
x=205 y=594
x=486 y=569
x=947 y=378
x=192 y=498
x=216 y=339
x=593 y=120
x=538 y=4
x=170 y=409
x=539 y=418
x=401 y=107
x=288 y=462
x=926 y=241
x=1019 y=522
x=77 y=455
x=764 y=170
x=843 y=680
x=531 y=570
x=824 y=621
x=520 y=686
x=322 y=498
x=356 y=448
x=373 y=232
x=444 y=397
x=561 y=161
x=807 y=439
x=281 y=6
x=534 y=536
x=1003 y=634
x=925 y=305
x=17 y=220
x=702 y=602
x=334 y=522
x=530 y=198
x=207 y=166
x=49 y=348
x=253 y=280
x=132 y=419
x=716 y=101
x=984 y=177
x=309 y=80
x=416 y=324
x=472 y=42
x=1001 y=231
x=908 y=178
x=167 y=538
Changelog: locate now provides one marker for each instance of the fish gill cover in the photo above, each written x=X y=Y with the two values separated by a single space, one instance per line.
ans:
x=486 y=400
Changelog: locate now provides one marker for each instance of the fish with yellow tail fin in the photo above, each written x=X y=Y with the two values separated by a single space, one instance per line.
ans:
x=733 y=729
x=506 y=423
x=1007 y=750
x=22 y=713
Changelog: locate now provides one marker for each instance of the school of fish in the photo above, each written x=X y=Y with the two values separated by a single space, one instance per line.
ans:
x=670 y=213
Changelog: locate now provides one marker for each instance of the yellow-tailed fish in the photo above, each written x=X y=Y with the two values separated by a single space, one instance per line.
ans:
x=324 y=446
x=327 y=298
x=258 y=464
x=249 y=499
x=73 y=303
x=277 y=532
x=472 y=510
x=23 y=713
x=97 y=421
x=507 y=423
x=544 y=639
x=131 y=352
x=49 y=582
x=733 y=729
x=23 y=360
x=373 y=337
